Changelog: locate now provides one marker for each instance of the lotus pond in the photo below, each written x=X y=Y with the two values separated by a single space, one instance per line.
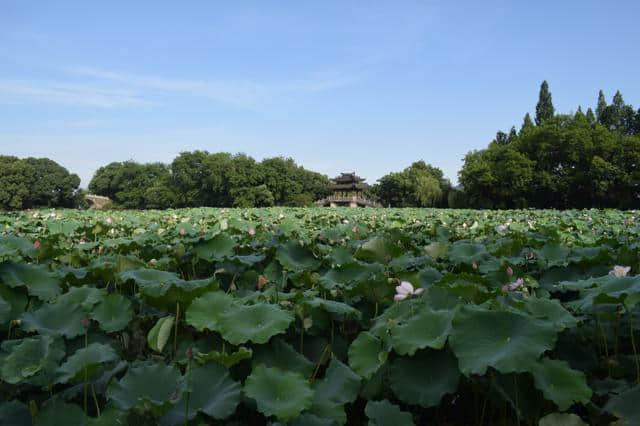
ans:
x=320 y=317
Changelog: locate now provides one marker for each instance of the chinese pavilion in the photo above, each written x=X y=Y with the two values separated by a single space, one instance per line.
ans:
x=347 y=191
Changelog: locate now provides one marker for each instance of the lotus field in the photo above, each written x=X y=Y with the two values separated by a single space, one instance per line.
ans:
x=320 y=317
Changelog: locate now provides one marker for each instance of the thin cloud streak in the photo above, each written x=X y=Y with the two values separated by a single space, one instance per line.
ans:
x=239 y=94
x=74 y=95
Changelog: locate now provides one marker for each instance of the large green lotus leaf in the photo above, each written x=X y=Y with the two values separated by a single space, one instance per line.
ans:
x=56 y=413
x=15 y=413
x=60 y=318
x=114 y=313
x=84 y=296
x=217 y=248
x=427 y=328
x=16 y=247
x=425 y=378
x=467 y=253
x=519 y=391
x=159 y=335
x=384 y=413
x=95 y=353
x=378 y=249
x=349 y=273
x=339 y=309
x=626 y=407
x=294 y=258
x=559 y=383
x=109 y=417
x=156 y=383
x=507 y=341
x=279 y=353
x=366 y=354
x=561 y=419
x=339 y=386
x=550 y=311
x=612 y=289
x=437 y=249
x=12 y=304
x=212 y=391
x=65 y=227
x=224 y=358
x=256 y=323
x=205 y=311
x=279 y=393
x=552 y=254
x=31 y=360
x=37 y=279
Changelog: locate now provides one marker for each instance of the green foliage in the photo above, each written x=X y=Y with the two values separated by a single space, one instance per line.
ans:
x=185 y=316
x=35 y=182
x=544 y=108
x=419 y=185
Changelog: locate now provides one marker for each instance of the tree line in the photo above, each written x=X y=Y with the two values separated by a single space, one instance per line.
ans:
x=577 y=160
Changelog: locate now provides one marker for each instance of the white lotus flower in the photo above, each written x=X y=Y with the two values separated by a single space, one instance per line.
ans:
x=108 y=220
x=620 y=271
x=517 y=284
x=404 y=290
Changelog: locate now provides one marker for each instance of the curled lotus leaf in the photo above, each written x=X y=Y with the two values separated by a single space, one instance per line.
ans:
x=504 y=340
x=256 y=323
x=37 y=279
x=383 y=413
x=156 y=383
x=279 y=393
x=425 y=378
x=93 y=354
x=159 y=334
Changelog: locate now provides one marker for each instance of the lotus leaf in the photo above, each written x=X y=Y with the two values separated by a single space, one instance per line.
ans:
x=384 y=413
x=114 y=313
x=31 y=360
x=37 y=279
x=256 y=323
x=206 y=311
x=467 y=253
x=366 y=355
x=425 y=378
x=56 y=413
x=339 y=386
x=279 y=393
x=294 y=258
x=217 y=248
x=506 y=341
x=223 y=358
x=625 y=406
x=61 y=318
x=279 y=353
x=156 y=383
x=427 y=328
x=561 y=419
x=93 y=354
x=15 y=413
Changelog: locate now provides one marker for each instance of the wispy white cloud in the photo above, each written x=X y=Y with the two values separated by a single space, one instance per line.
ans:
x=237 y=93
x=69 y=94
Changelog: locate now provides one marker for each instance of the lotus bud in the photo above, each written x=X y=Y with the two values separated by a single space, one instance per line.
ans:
x=262 y=281
x=37 y=244
x=474 y=265
x=108 y=220
x=509 y=271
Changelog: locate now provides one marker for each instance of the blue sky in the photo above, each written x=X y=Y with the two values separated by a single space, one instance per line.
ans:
x=337 y=85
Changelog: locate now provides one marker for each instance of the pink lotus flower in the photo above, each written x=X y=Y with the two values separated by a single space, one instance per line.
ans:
x=620 y=271
x=517 y=284
x=509 y=271
x=37 y=244
x=404 y=290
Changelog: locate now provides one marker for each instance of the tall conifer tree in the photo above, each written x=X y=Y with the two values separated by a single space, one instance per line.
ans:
x=527 y=123
x=544 y=108
x=602 y=106
x=591 y=117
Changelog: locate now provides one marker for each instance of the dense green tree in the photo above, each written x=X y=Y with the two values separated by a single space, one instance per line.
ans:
x=36 y=182
x=419 y=185
x=544 y=108
x=590 y=116
x=527 y=124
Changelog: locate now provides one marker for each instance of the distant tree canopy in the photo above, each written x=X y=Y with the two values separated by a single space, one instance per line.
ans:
x=419 y=185
x=564 y=161
x=200 y=178
x=36 y=182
